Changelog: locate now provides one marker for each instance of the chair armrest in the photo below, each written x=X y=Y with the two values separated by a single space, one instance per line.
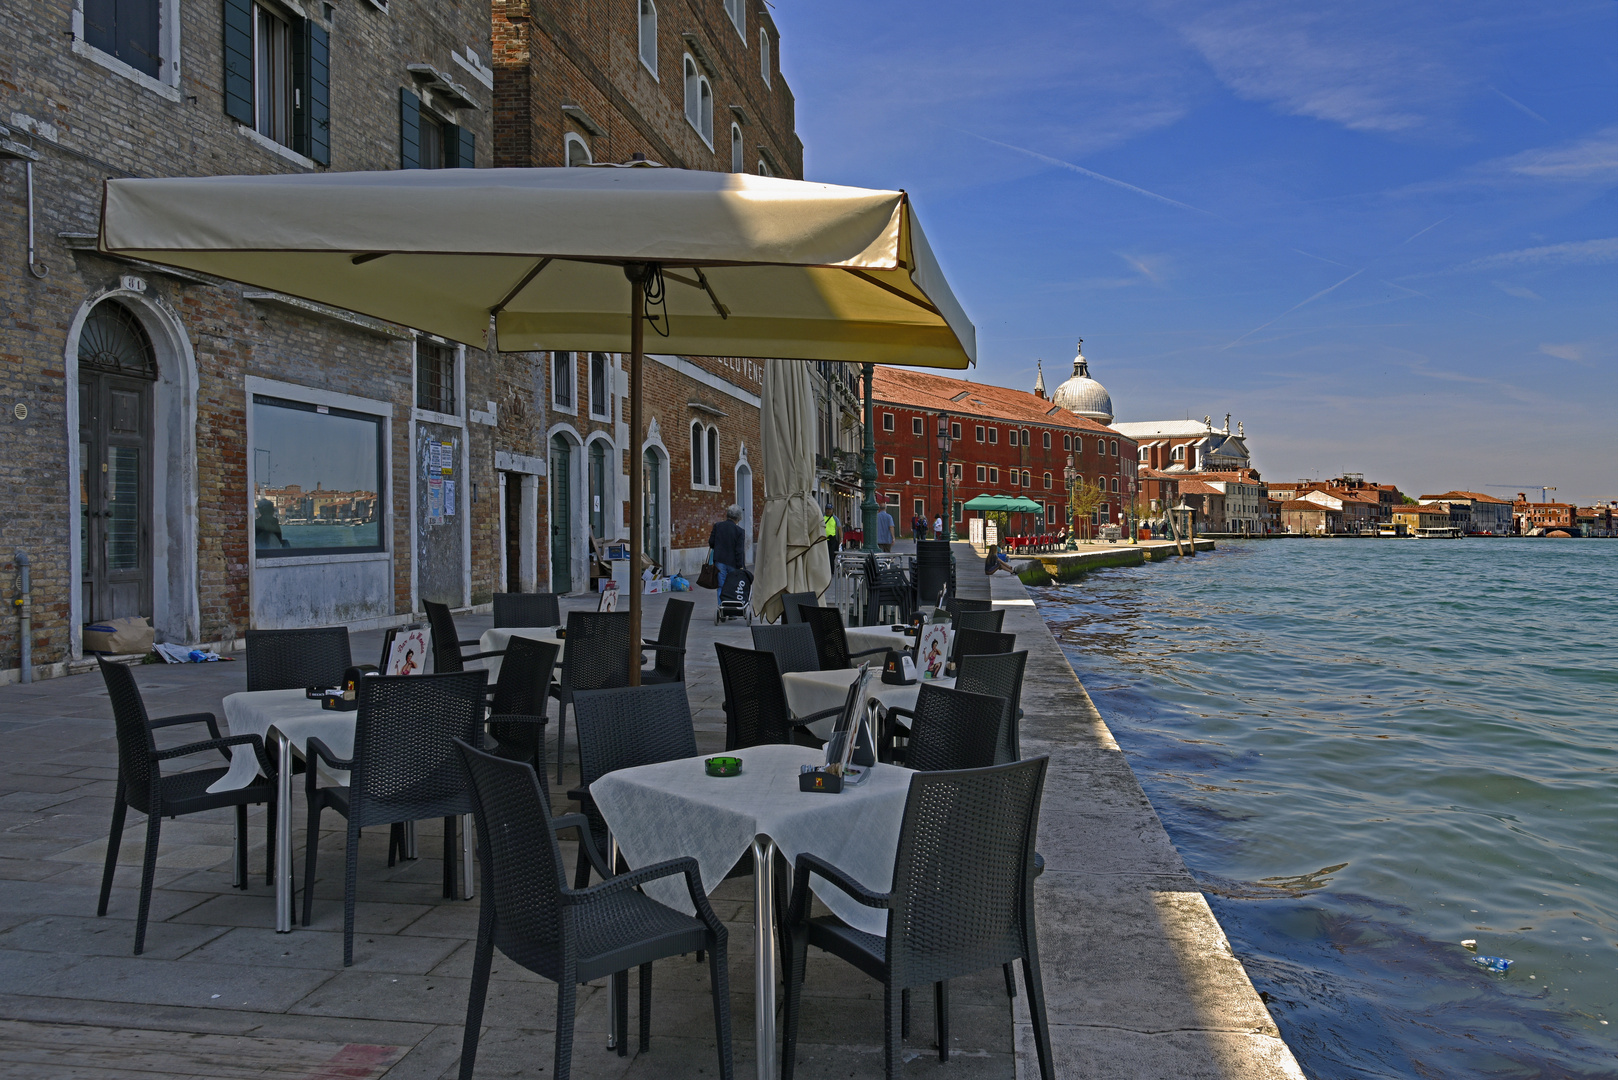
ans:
x=516 y=718
x=813 y=864
x=316 y=748
x=883 y=649
x=187 y=718
x=668 y=868
x=652 y=645
x=586 y=841
x=470 y=641
x=223 y=745
x=801 y=721
x=482 y=655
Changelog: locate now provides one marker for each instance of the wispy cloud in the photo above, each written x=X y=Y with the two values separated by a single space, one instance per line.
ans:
x=1592 y=159
x=1572 y=253
x=1519 y=106
x=1295 y=307
x=1571 y=351
x=1091 y=173
x=1519 y=291
x=1152 y=268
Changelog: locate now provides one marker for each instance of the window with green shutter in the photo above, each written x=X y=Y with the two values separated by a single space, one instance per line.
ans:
x=409 y=129
x=312 y=77
x=239 y=61
x=277 y=76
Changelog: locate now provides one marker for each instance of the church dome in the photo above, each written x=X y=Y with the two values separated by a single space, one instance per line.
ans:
x=1082 y=394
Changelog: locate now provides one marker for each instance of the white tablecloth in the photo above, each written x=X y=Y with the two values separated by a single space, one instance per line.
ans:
x=671 y=809
x=809 y=692
x=495 y=641
x=295 y=716
x=861 y=638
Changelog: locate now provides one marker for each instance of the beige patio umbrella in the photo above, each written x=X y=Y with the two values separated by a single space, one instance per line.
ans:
x=791 y=557
x=728 y=264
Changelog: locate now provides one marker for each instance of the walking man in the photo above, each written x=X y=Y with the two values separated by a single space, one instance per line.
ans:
x=884 y=528
x=727 y=544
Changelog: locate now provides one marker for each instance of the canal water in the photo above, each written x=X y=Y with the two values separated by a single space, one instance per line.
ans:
x=1368 y=751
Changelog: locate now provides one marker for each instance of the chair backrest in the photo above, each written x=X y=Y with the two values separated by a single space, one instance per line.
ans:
x=831 y=643
x=446 y=641
x=957 y=604
x=596 y=653
x=526 y=609
x=980 y=620
x=998 y=675
x=981 y=643
x=135 y=746
x=756 y=710
x=297 y=659
x=630 y=726
x=793 y=646
x=405 y=765
x=672 y=631
x=963 y=876
x=953 y=729
x=522 y=869
x=525 y=678
x=792 y=601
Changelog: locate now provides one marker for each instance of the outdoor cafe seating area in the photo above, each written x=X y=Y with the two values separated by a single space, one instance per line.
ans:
x=459 y=735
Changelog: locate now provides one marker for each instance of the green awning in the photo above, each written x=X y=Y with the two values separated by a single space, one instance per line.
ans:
x=995 y=504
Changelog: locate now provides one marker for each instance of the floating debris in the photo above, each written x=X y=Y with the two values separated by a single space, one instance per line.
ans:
x=1470 y=943
x=1497 y=964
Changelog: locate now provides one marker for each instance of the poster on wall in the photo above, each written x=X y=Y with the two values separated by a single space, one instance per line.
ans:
x=449 y=498
x=435 y=501
x=446 y=459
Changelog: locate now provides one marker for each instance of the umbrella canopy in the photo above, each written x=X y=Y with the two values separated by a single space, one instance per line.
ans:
x=790 y=555
x=718 y=264
x=753 y=266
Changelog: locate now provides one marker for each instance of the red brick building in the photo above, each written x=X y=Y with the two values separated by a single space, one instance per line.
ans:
x=1002 y=442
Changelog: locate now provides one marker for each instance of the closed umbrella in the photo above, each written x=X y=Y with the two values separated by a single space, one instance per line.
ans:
x=789 y=556
x=717 y=264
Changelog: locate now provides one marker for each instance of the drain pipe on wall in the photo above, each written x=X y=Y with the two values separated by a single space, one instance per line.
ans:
x=25 y=618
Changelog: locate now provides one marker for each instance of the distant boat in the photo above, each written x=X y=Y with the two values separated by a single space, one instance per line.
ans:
x=1444 y=533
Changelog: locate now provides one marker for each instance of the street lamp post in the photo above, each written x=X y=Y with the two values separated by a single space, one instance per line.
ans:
x=1071 y=475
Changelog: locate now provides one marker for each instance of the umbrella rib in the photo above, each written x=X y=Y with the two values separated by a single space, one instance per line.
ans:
x=369 y=256
x=520 y=286
x=701 y=283
x=900 y=293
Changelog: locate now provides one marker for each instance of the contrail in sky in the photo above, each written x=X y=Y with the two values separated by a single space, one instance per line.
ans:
x=1296 y=306
x=1082 y=171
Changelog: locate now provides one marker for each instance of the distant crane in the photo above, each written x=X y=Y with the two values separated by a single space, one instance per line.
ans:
x=1544 y=489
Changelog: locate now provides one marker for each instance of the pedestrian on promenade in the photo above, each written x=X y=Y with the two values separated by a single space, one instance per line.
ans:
x=727 y=544
x=834 y=536
x=884 y=528
x=938 y=527
x=918 y=527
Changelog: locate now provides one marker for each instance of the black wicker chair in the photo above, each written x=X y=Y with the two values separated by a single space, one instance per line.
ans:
x=528 y=609
x=980 y=643
x=992 y=620
x=793 y=646
x=595 y=657
x=297 y=659
x=949 y=729
x=669 y=665
x=620 y=729
x=756 y=712
x=887 y=585
x=957 y=604
x=517 y=716
x=447 y=655
x=831 y=641
x=973 y=829
x=143 y=787
x=999 y=675
x=404 y=768
x=792 y=601
x=574 y=936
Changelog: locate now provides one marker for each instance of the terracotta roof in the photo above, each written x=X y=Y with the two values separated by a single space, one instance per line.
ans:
x=1197 y=487
x=1472 y=495
x=1430 y=509
x=1158 y=474
x=1306 y=504
x=937 y=393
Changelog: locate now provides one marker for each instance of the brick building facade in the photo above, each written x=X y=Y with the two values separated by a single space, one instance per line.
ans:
x=134 y=392
x=1003 y=442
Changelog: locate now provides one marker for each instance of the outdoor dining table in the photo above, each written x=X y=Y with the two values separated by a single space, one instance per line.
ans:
x=495 y=640
x=674 y=808
x=810 y=692
x=286 y=720
x=880 y=636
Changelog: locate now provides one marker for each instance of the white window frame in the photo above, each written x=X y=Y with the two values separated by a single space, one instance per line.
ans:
x=889 y=467
x=1044 y=440
x=737 y=157
x=698 y=100
x=572 y=408
x=707 y=451
x=994 y=436
x=916 y=427
x=764 y=51
x=1115 y=448
x=1178 y=453
x=641 y=26
x=994 y=474
x=887 y=421
x=456 y=418
x=1067 y=442
x=1078 y=444
x=1047 y=481
x=983 y=474
x=980 y=433
x=167 y=83
x=263 y=11
x=699 y=440
x=918 y=468
x=1013 y=477
x=764 y=168
x=605 y=411
x=571 y=139
x=737 y=10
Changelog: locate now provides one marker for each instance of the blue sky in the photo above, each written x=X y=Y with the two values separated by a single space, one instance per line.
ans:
x=1384 y=235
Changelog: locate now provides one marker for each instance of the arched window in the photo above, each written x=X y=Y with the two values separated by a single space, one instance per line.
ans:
x=696 y=454
x=764 y=168
x=1179 y=453
x=713 y=457
x=1025 y=441
x=1078 y=444
x=736 y=163
x=698 y=101
x=1047 y=480
x=1067 y=442
x=764 y=54
x=1045 y=440
x=1115 y=448
x=577 y=150
x=598 y=384
x=1027 y=480
x=648 y=35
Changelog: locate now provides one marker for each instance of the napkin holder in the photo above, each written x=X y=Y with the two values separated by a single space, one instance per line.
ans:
x=899 y=669
x=820 y=778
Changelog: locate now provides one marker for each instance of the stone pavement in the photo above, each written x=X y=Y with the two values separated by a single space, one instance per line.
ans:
x=219 y=994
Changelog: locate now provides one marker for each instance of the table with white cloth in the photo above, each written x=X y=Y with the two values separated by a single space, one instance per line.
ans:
x=674 y=809
x=879 y=636
x=496 y=640
x=809 y=692
x=286 y=720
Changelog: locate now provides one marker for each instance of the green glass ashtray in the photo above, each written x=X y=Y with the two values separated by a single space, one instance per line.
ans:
x=723 y=766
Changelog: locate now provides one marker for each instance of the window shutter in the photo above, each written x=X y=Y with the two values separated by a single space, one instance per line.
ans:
x=466 y=150
x=239 y=61
x=137 y=32
x=317 y=92
x=409 y=129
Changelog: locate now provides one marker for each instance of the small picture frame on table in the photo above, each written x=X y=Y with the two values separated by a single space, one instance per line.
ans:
x=405 y=650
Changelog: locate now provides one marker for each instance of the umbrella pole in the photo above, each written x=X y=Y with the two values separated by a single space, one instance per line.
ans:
x=637 y=466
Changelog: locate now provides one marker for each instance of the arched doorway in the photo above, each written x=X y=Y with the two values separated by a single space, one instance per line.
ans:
x=651 y=488
x=117 y=372
x=561 y=483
